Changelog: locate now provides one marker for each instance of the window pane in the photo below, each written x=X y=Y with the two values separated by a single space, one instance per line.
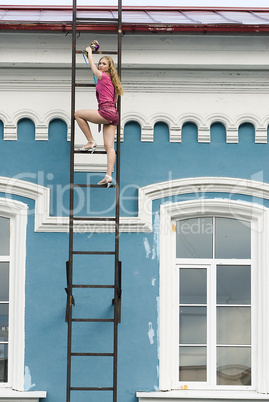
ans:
x=192 y=363
x=232 y=238
x=233 y=366
x=3 y=362
x=4 y=235
x=192 y=325
x=192 y=286
x=233 y=325
x=3 y=322
x=194 y=238
x=4 y=281
x=233 y=284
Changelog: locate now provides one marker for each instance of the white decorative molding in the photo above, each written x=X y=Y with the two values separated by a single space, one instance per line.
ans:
x=10 y=132
x=4 y=117
x=175 y=134
x=28 y=114
x=204 y=134
x=146 y=128
x=143 y=222
x=174 y=129
x=232 y=135
x=9 y=395
x=58 y=114
x=230 y=127
x=203 y=126
x=260 y=127
x=146 y=124
x=261 y=135
x=198 y=395
x=44 y=222
x=41 y=124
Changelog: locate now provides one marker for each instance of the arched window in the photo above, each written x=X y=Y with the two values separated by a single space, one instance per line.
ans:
x=213 y=300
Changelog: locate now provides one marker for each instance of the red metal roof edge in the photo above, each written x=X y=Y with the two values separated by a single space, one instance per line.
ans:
x=133 y=8
x=142 y=28
x=66 y=26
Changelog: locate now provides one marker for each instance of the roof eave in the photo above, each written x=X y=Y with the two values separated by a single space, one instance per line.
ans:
x=136 y=28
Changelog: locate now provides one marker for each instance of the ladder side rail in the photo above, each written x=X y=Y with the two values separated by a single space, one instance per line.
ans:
x=117 y=267
x=71 y=204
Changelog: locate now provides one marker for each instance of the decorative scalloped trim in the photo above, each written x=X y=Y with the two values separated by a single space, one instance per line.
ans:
x=41 y=124
x=146 y=124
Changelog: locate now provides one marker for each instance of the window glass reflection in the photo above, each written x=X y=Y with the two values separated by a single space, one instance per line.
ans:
x=233 y=366
x=4 y=322
x=192 y=363
x=233 y=284
x=4 y=281
x=233 y=325
x=4 y=235
x=192 y=321
x=3 y=362
x=194 y=238
x=232 y=238
x=192 y=286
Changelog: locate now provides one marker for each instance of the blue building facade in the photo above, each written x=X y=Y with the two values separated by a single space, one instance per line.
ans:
x=194 y=226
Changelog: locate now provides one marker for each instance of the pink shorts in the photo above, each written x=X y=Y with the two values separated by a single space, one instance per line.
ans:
x=109 y=112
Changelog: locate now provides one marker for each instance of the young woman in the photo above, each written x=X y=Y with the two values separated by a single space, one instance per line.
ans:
x=108 y=89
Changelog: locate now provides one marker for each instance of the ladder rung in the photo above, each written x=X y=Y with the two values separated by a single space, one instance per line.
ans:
x=96 y=19
x=100 y=52
x=82 y=218
x=91 y=388
x=88 y=185
x=94 y=252
x=92 y=354
x=85 y=85
x=93 y=286
x=95 y=185
x=92 y=319
x=97 y=23
x=89 y=153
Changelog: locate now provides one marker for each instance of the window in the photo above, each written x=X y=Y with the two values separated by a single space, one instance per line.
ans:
x=13 y=223
x=214 y=273
x=219 y=284
x=13 y=220
x=4 y=296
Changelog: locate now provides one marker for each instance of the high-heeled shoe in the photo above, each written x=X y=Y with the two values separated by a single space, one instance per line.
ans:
x=90 y=149
x=107 y=180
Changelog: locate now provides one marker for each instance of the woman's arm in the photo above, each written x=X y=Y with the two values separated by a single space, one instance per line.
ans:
x=94 y=69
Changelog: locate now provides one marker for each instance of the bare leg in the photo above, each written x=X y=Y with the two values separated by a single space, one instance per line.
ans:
x=109 y=135
x=83 y=116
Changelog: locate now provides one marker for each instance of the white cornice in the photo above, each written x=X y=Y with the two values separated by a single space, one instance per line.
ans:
x=44 y=222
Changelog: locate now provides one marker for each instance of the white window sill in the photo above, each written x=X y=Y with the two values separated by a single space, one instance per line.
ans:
x=182 y=395
x=18 y=396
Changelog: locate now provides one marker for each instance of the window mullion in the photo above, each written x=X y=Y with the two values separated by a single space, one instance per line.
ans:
x=211 y=325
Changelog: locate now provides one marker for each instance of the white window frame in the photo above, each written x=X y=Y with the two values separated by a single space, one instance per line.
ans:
x=17 y=213
x=210 y=265
x=169 y=213
x=13 y=390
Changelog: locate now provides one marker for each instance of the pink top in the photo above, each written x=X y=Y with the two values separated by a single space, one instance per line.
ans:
x=105 y=91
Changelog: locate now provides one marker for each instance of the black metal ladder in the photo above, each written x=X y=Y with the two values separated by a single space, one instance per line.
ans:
x=116 y=286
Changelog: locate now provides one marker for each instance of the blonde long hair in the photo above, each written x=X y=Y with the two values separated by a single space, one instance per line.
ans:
x=113 y=75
